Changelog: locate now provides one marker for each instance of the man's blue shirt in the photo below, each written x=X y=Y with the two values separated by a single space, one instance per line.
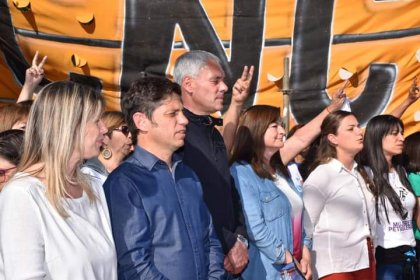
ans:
x=161 y=226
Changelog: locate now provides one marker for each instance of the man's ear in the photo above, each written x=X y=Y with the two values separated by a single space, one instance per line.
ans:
x=188 y=84
x=141 y=121
x=332 y=139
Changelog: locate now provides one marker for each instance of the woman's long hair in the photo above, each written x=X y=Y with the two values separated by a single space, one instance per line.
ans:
x=373 y=156
x=412 y=152
x=326 y=150
x=56 y=129
x=249 y=140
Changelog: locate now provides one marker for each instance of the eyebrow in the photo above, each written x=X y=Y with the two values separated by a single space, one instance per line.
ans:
x=217 y=77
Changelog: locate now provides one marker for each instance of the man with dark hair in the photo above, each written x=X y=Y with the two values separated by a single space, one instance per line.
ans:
x=202 y=81
x=161 y=225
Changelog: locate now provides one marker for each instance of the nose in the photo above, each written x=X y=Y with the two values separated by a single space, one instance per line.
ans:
x=102 y=127
x=401 y=137
x=182 y=119
x=129 y=139
x=223 y=87
x=280 y=129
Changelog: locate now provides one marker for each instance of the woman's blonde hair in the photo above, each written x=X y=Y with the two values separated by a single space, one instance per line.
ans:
x=56 y=129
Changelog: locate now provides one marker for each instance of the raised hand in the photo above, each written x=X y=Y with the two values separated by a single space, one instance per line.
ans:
x=33 y=76
x=35 y=73
x=240 y=90
x=414 y=91
x=337 y=100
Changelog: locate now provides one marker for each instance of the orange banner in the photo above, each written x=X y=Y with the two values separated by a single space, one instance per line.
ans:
x=376 y=41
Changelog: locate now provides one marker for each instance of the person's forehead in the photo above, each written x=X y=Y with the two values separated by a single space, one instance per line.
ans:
x=212 y=68
x=5 y=164
x=350 y=120
x=172 y=100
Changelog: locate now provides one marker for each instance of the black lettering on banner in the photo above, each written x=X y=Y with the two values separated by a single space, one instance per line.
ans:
x=311 y=45
x=149 y=30
x=8 y=45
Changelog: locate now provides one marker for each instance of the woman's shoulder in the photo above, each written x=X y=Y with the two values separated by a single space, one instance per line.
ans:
x=244 y=172
x=25 y=183
x=322 y=174
x=323 y=169
x=22 y=187
x=241 y=167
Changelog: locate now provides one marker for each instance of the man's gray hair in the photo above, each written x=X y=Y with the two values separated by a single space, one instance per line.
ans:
x=190 y=64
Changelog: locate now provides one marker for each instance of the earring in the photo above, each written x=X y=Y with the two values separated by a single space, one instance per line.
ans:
x=106 y=153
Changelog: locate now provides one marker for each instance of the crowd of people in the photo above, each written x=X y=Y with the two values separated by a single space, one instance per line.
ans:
x=166 y=190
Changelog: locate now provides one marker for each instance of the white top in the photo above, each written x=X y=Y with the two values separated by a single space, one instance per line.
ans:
x=37 y=243
x=398 y=231
x=295 y=174
x=95 y=174
x=340 y=211
x=294 y=199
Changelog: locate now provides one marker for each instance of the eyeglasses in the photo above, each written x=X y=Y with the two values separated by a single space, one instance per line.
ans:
x=124 y=130
x=3 y=173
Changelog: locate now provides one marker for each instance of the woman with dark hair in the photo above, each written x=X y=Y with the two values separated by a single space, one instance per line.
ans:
x=340 y=209
x=117 y=145
x=272 y=204
x=412 y=166
x=54 y=220
x=394 y=199
x=11 y=147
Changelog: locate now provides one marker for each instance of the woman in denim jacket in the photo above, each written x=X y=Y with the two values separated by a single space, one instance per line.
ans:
x=272 y=204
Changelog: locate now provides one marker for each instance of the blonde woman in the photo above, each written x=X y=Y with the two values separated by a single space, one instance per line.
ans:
x=54 y=222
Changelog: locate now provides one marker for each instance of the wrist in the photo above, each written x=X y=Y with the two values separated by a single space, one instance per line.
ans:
x=408 y=101
x=329 y=110
x=236 y=104
x=243 y=240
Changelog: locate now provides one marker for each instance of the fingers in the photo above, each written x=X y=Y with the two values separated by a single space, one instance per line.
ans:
x=303 y=267
x=239 y=87
x=341 y=91
x=41 y=65
x=228 y=265
x=244 y=75
x=247 y=73
x=414 y=89
x=35 y=59
x=251 y=72
x=38 y=67
x=32 y=71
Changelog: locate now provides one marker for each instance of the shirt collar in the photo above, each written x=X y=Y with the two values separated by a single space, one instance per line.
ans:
x=338 y=166
x=149 y=160
x=203 y=119
x=96 y=164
